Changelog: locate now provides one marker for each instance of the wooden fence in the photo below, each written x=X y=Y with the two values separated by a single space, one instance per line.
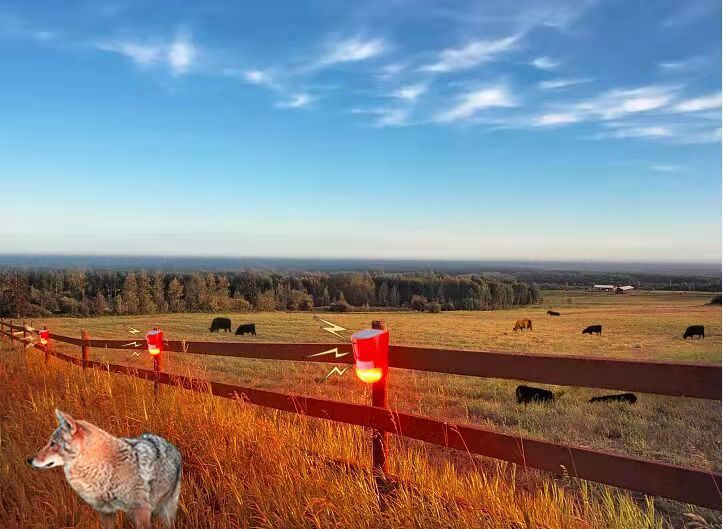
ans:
x=689 y=485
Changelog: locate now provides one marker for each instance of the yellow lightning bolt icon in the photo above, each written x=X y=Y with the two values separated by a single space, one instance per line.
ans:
x=336 y=370
x=336 y=352
x=332 y=328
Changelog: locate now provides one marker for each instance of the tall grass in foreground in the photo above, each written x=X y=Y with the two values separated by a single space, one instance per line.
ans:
x=249 y=467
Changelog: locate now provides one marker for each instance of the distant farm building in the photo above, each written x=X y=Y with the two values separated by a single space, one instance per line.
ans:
x=604 y=288
x=612 y=288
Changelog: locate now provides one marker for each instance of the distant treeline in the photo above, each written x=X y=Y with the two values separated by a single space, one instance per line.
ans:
x=35 y=293
x=561 y=279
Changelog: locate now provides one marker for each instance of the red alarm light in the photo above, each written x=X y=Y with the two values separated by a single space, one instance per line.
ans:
x=371 y=353
x=44 y=335
x=154 y=339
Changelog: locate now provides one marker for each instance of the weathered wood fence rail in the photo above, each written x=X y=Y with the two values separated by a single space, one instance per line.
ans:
x=689 y=485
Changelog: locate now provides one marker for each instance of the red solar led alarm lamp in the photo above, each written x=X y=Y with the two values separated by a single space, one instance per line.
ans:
x=371 y=353
x=154 y=339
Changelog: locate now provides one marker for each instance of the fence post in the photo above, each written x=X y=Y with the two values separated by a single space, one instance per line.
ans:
x=25 y=331
x=85 y=348
x=157 y=368
x=379 y=439
x=2 y=330
x=12 y=336
x=46 y=347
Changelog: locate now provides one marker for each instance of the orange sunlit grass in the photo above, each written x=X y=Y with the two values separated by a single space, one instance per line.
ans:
x=249 y=467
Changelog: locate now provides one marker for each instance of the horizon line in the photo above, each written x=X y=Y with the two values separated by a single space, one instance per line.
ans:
x=356 y=258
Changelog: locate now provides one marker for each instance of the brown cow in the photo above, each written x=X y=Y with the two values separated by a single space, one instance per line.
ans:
x=523 y=324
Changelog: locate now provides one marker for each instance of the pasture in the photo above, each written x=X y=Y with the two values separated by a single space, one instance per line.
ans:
x=647 y=325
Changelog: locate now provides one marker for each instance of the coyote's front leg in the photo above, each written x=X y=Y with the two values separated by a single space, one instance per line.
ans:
x=107 y=521
x=141 y=518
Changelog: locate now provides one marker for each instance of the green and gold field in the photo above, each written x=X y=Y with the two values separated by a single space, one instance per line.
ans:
x=642 y=325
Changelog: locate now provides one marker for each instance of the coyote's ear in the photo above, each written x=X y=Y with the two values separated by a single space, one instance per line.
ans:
x=66 y=421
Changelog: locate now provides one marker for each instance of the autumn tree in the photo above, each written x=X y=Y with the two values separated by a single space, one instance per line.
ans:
x=175 y=295
x=100 y=305
x=146 y=304
x=266 y=301
x=130 y=294
x=222 y=294
x=158 y=292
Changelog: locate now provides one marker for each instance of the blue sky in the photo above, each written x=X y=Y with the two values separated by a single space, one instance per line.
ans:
x=478 y=130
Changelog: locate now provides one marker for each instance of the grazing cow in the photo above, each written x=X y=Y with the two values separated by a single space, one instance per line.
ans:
x=553 y=313
x=246 y=328
x=630 y=398
x=593 y=329
x=523 y=324
x=221 y=324
x=526 y=394
x=694 y=330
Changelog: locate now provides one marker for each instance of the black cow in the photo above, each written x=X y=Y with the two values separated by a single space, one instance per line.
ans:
x=593 y=329
x=246 y=328
x=694 y=330
x=630 y=398
x=526 y=394
x=221 y=324
x=553 y=313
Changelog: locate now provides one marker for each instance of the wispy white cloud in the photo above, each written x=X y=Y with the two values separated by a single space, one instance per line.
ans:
x=709 y=102
x=471 y=54
x=560 y=84
x=674 y=132
x=352 y=50
x=710 y=135
x=394 y=118
x=141 y=54
x=556 y=119
x=390 y=71
x=296 y=101
x=12 y=25
x=44 y=36
x=181 y=54
x=611 y=107
x=258 y=77
x=651 y=112
x=519 y=16
x=683 y=65
x=617 y=103
x=545 y=63
x=177 y=54
x=410 y=92
x=666 y=168
x=289 y=99
x=386 y=116
x=472 y=102
x=640 y=132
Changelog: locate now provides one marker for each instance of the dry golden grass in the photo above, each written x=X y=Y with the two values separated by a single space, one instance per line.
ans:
x=249 y=467
x=641 y=326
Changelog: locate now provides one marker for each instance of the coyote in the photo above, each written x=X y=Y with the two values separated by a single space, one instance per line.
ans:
x=140 y=476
